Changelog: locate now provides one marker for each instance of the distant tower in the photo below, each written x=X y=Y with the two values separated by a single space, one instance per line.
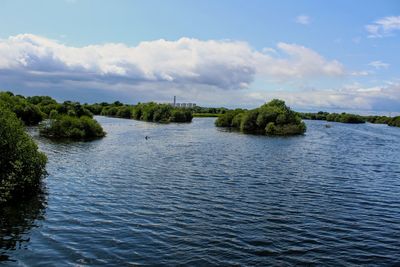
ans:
x=174 y=101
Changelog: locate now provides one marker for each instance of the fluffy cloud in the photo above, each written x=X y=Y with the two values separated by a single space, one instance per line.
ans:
x=301 y=62
x=207 y=72
x=383 y=27
x=303 y=19
x=223 y=64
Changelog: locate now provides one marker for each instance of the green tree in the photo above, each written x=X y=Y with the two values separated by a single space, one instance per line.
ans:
x=272 y=118
x=22 y=165
x=71 y=127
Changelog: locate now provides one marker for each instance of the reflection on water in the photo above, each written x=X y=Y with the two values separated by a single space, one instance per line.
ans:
x=16 y=222
x=194 y=194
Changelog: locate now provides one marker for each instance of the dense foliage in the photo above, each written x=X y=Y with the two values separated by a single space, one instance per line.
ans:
x=58 y=120
x=321 y=115
x=342 y=117
x=152 y=112
x=273 y=118
x=21 y=164
x=207 y=112
x=351 y=118
x=72 y=127
x=378 y=119
x=161 y=113
x=29 y=113
x=395 y=121
x=345 y=118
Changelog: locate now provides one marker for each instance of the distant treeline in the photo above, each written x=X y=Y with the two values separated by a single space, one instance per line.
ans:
x=272 y=118
x=351 y=118
x=79 y=117
x=152 y=112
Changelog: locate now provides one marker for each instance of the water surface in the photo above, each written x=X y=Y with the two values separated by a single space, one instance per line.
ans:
x=194 y=194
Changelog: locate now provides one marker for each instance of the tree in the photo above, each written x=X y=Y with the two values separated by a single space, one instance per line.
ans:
x=71 y=127
x=22 y=165
x=272 y=118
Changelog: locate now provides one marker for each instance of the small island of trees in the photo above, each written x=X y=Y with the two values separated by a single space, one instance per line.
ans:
x=71 y=127
x=151 y=112
x=272 y=118
x=66 y=120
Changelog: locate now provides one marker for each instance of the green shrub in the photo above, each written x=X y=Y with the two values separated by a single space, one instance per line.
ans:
x=124 y=112
x=249 y=121
x=27 y=112
x=286 y=129
x=237 y=120
x=22 y=165
x=273 y=118
x=226 y=119
x=395 y=121
x=181 y=115
x=163 y=113
x=350 y=118
x=64 y=126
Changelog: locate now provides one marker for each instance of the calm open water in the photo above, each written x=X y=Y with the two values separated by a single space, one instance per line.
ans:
x=197 y=195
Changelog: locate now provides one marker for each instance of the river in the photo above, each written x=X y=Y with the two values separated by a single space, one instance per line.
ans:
x=193 y=194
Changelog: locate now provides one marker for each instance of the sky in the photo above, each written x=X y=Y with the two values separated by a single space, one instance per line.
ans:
x=315 y=55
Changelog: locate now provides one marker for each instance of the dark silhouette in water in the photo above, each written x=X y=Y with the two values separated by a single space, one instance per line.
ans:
x=146 y=137
x=16 y=220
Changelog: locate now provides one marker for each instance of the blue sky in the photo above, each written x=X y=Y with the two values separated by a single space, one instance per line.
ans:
x=314 y=54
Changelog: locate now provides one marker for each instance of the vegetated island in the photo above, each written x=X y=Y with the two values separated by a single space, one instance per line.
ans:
x=351 y=118
x=272 y=118
x=67 y=120
x=151 y=112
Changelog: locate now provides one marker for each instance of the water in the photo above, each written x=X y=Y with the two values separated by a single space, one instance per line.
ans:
x=194 y=194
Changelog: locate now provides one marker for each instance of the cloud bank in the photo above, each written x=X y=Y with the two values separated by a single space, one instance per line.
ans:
x=223 y=64
x=213 y=72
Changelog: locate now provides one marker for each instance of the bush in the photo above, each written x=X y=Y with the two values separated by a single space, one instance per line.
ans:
x=226 y=119
x=64 y=126
x=273 y=118
x=22 y=165
x=27 y=112
x=395 y=121
x=236 y=121
x=163 y=113
x=287 y=129
x=249 y=121
x=350 y=118
x=181 y=115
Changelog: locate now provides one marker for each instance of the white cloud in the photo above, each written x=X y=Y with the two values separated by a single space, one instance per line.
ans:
x=207 y=72
x=303 y=19
x=223 y=64
x=378 y=64
x=383 y=27
x=360 y=73
x=300 y=62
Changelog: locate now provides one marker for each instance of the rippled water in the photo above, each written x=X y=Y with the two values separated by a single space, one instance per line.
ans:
x=196 y=195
